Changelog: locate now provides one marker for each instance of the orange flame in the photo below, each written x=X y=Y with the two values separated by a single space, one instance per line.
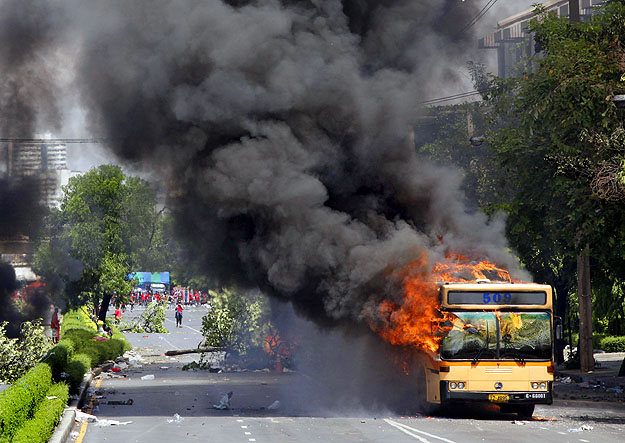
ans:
x=416 y=320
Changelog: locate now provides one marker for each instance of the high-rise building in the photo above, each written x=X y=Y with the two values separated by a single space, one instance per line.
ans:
x=44 y=164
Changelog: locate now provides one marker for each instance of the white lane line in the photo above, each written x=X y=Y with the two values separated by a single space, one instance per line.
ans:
x=249 y=433
x=586 y=441
x=240 y=421
x=407 y=429
x=244 y=427
x=251 y=439
x=184 y=326
x=170 y=343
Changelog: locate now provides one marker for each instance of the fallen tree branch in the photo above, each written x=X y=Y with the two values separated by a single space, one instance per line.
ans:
x=196 y=350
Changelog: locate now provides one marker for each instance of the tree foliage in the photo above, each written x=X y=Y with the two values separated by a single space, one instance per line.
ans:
x=556 y=140
x=21 y=354
x=107 y=226
x=238 y=321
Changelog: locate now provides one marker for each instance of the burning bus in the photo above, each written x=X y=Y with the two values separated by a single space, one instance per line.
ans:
x=479 y=340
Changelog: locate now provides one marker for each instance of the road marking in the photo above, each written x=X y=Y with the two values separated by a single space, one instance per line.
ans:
x=409 y=430
x=185 y=326
x=249 y=433
x=83 y=428
x=244 y=427
x=586 y=441
x=240 y=421
x=252 y=439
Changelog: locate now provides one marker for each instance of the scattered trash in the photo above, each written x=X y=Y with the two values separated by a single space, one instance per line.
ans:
x=121 y=365
x=581 y=428
x=224 y=403
x=102 y=423
x=565 y=380
x=274 y=405
x=116 y=370
x=518 y=422
x=51 y=397
x=83 y=417
x=164 y=367
x=616 y=390
x=148 y=377
x=120 y=402
x=74 y=434
x=177 y=419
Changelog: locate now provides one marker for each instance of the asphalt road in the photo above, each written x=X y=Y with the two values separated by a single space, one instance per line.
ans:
x=192 y=395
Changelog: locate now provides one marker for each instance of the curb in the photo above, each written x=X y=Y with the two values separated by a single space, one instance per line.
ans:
x=62 y=430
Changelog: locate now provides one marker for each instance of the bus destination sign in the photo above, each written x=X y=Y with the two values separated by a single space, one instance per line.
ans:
x=496 y=298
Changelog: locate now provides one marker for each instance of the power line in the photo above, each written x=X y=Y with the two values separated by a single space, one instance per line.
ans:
x=479 y=15
x=454 y=96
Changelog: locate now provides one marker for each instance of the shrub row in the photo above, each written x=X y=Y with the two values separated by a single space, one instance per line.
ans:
x=613 y=344
x=18 y=402
x=47 y=414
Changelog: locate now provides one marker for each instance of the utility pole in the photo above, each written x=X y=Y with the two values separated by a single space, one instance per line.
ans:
x=573 y=11
x=584 y=293
x=584 y=296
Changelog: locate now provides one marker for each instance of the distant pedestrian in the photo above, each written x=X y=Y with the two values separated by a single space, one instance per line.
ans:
x=118 y=315
x=55 y=325
x=179 y=316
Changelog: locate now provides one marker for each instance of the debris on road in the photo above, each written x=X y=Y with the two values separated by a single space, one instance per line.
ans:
x=176 y=419
x=196 y=350
x=224 y=403
x=581 y=428
x=104 y=422
x=274 y=405
x=148 y=377
x=120 y=402
x=83 y=417
x=519 y=422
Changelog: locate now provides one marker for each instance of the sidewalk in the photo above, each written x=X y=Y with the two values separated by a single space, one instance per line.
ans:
x=601 y=384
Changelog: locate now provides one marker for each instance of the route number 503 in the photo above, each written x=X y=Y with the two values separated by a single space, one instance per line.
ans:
x=497 y=297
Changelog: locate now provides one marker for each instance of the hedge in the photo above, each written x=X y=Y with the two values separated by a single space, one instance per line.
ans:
x=47 y=415
x=76 y=369
x=18 y=402
x=613 y=344
x=59 y=356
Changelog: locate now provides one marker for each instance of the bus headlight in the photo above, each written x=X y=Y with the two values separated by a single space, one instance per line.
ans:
x=453 y=385
x=543 y=385
x=534 y=385
x=460 y=385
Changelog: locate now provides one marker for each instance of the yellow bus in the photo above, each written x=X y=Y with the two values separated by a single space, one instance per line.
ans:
x=496 y=346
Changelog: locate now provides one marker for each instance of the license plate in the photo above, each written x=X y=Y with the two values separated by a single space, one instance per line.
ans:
x=498 y=398
x=536 y=395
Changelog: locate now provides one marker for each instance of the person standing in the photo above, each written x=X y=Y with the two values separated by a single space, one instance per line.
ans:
x=179 y=316
x=55 y=325
x=118 y=314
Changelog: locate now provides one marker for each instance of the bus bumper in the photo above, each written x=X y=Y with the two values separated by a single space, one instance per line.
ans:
x=536 y=397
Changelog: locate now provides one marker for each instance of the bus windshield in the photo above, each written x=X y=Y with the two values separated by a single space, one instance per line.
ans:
x=498 y=336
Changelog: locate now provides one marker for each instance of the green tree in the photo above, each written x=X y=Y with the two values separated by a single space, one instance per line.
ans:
x=546 y=142
x=107 y=225
x=238 y=321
